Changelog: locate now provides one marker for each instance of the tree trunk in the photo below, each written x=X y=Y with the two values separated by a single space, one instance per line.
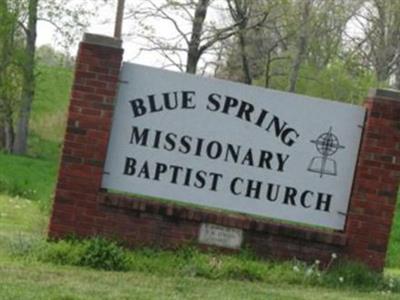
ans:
x=2 y=135
x=267 y=70
x=301 y=46
x=397 y=77
x=245 y=60
x=28 y=85
x=8 y=135
x=240 y=13
x=193 y=55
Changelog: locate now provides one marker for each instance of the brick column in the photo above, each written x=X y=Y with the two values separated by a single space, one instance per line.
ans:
x=85 y=145
x=375 y=187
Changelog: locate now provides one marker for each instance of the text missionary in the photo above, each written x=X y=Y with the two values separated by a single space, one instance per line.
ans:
x=202 y=148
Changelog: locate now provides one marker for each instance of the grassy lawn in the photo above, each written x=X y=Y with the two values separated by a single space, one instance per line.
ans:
x=158 y=275
x=21 y=281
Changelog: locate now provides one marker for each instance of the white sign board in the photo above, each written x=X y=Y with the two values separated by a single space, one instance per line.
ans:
x=226 y=145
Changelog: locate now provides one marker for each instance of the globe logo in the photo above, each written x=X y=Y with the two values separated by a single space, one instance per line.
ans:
x=327 y=144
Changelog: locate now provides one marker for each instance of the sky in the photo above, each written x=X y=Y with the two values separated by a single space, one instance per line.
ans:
x=103 y=24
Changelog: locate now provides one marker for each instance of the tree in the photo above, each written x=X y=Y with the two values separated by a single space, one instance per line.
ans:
x=194 y=35
x=303 y=37
x=9 y=75
x=265 y=44
x=67 y=19
x=28 y=82
x=47 y=55
x=379 y=41
x=244 y=14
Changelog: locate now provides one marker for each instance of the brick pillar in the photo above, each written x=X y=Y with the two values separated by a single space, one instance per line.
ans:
x=375 y=187
x=85 y=145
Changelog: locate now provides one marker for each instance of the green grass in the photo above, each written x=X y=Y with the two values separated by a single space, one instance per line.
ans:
x=21 y=281
x=28 y=177
x=21 y=223
x=49 y=112
x=393 y=255
x=34 y=176
x=32 y=268
x=153 y=274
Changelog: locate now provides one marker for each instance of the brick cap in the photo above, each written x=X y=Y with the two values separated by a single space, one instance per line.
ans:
x=387 y=93
x=102 y=40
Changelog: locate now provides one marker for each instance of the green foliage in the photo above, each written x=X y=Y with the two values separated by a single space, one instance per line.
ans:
x=336 y=82
x=393 y=255
x=48 y=56
x=49 y=112
x=96 y=253
x=187 y=262
x=63 y=252
x=27 y=178
x=27 y=246
x=100 y=253
x=340 y=81
x=352 y=274
x=23 y=245
x=190 y=262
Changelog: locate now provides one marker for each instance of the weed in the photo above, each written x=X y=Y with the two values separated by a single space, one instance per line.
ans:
x=63 y=252
x=23 y=245
x=100 y=253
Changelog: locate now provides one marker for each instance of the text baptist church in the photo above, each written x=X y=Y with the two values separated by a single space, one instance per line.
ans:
x=216 y=150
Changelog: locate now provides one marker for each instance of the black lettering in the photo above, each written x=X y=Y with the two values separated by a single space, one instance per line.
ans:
x=217 y=150
x=160 y=169
x=248 y=159
x=278 y=127
x=213 y=104
x=270 y=189
x=187 y=100
x=169 y=104
x=232 y=152
x=253 y=189
x=233 y=185
x=261 y=117
x=175 y=171
x=185 y=144
x=188 y=177
x=199 y=147
x=287 y=138
x=230 y=102
x=245 y=111
x=153 y=105
x=144 y=171
x=281 y=161
x=290 y=194
x=200 y=179
x=130 y=164
x=170 y=141
x=215 y=180
x=303 y=198
x=139 y=137
x=325 y=202
x=138 y=108
x=157 y=138
x=265 y=159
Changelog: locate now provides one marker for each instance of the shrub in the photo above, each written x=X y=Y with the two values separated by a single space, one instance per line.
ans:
x=97 y=253
x=353 y=275
x=100 y=253
x=63 y=252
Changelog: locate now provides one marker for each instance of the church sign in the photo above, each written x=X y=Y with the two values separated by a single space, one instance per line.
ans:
x=230 y=146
